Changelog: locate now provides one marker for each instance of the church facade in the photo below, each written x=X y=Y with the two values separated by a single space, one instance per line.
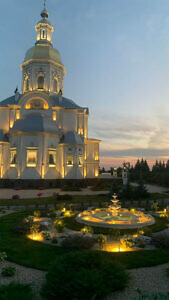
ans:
x=42 y=133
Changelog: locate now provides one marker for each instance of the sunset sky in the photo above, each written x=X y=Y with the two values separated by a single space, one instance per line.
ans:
x=116 y=53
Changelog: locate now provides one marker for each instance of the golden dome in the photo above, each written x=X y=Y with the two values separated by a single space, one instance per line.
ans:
x=43 y=52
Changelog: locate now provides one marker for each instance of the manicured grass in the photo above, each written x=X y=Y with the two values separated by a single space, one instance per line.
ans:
x=53 y=200
x=160 y=224
x=158 y=196
x=37 y=255
x=22 y=250
x=140 y=259
x=90 y=199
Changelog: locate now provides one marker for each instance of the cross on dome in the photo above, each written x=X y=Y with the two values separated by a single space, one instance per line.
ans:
x=44 y=13
x=44 y=4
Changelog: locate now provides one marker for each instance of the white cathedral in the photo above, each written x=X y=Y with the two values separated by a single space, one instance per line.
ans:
x=42 y=133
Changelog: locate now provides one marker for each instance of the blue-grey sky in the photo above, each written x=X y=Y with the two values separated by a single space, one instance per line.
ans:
x=116 y=54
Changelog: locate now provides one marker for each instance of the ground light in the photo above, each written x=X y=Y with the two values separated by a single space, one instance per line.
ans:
x=35 y=237
x=116 y=247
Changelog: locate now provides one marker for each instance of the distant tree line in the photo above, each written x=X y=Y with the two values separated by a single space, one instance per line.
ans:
x=159 y=174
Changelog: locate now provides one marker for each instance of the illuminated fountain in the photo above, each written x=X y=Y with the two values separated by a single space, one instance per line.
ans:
x=115 y=207
x=115 y=217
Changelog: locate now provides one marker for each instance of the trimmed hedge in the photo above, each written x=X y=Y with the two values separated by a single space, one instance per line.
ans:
x=18 y=184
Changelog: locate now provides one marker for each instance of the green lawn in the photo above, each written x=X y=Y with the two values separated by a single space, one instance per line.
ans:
x=22 y=250
x=52 y=200
x=37 y=255
x=90 y=199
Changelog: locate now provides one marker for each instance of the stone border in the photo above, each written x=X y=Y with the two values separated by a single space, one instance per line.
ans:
x=116 y=226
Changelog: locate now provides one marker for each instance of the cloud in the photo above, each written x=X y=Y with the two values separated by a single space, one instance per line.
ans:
x=126 y=137
x=118 y=129
x=135 y=152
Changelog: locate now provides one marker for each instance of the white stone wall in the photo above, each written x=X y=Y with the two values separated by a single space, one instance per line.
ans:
x=66 y=120
x=48 y=70
x=4 y=119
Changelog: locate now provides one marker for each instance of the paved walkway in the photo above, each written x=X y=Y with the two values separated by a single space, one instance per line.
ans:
x=27 y=194
x=154 y=188
x=152 y=279
x=24 y=275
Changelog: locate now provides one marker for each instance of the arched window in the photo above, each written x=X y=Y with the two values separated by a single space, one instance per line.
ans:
x=36 y=104
x=55 y=85
x=40 y=82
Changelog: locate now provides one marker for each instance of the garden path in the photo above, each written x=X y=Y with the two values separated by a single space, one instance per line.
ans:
x=154 y=188
x=151 y=279
x=27 y=194
x=24 y=275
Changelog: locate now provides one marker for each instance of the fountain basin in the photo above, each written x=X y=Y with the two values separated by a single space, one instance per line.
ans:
x=124 y=219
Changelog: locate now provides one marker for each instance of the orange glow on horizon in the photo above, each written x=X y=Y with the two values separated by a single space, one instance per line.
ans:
x=108 y=162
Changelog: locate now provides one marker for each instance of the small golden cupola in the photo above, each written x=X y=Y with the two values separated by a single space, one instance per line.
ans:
x=44 y=28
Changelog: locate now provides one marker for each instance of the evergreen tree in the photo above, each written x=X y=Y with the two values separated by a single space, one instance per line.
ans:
x=141 y=190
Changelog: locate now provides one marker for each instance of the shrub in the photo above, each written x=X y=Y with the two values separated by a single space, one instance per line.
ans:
x=34 y=228
x=102 y=240
x=29 y=219
x=52 y=214
x=161 y=240
x=101 y=186
x=88 y=229
x=71 y=188
x=83 y=276
x=155 y=206
x=17 y=188
x=59 y=225
x=78 y=242
x=46 y=235
x=65 y=197
x=37 y=214
x=15 y=291
x=15 y=197
x=44 y=213
x=141 y=191
x=8 y=271
x=3 y=256
x=39 y=194
x=41 y=188
x=127 y=241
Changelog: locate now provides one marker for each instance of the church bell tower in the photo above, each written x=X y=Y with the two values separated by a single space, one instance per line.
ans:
x=42 y=69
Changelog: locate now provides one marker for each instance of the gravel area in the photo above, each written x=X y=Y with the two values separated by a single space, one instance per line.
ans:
x=24 y=275
x=152 y=279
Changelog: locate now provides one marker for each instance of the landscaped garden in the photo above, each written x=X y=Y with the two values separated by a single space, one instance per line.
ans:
x=52 y=240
